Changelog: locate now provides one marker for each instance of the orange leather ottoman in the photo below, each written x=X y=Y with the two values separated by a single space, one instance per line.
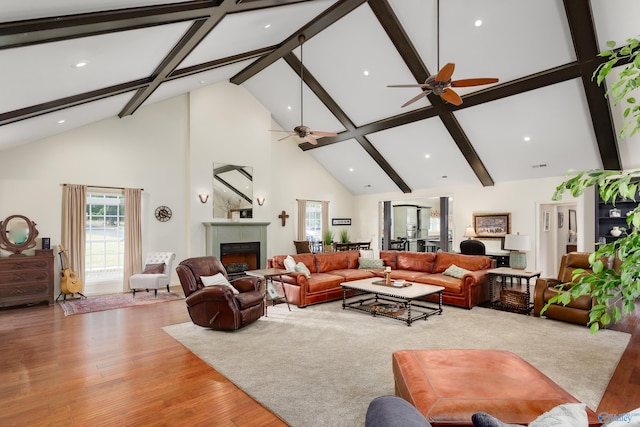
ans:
x=448 y=386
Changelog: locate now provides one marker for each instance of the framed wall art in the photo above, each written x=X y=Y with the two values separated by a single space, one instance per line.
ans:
x=340 y=221
x=492 y=225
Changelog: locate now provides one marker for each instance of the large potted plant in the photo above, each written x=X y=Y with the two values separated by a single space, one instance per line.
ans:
x=344 y=236
x=327 y=240
x=622 y=285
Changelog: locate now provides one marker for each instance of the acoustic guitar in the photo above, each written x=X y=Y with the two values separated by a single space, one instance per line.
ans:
x=69 y=281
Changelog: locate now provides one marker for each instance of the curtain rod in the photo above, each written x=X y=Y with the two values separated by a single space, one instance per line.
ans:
x=102 y=186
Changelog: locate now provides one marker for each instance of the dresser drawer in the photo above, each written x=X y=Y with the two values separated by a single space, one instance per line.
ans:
x=11 y=294
x=25 y=263
x=20 y=276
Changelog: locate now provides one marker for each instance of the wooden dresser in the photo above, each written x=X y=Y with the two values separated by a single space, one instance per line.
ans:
x=27 y=279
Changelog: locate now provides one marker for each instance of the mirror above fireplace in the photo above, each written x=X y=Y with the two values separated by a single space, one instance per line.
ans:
x=232 y=191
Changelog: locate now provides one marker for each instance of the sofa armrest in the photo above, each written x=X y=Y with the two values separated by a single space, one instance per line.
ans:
x=247 y=284
x=475 y=278
x=538 y=293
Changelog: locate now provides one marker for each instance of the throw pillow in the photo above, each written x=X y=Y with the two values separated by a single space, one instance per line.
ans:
x=153 y=268
x=370 y=263
x=218 y=279
x=301 y=268
x=455 y=271
x=566 y=415
x=289 y=263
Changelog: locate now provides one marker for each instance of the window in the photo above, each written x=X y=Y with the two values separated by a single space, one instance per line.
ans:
x=104 y=252
x=313 y=222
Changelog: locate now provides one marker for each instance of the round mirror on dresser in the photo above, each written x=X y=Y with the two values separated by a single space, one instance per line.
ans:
x=17 y=234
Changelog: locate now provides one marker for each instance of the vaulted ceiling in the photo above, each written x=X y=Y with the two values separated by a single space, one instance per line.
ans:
x=544 y=117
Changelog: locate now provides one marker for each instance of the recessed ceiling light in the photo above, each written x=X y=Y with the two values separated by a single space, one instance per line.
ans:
x=426 y=156
x=288 y=107
x=202 y=82
x=81 y=64
x=267 y=26
x=350 y=169
x=527 y=138
x=365 y=72
x=478 y=23
x=60 y=121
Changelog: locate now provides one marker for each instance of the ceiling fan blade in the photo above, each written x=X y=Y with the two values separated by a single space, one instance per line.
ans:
x=416 y=85
x=311 y=140
x=445 y=73
x=321 y=133
x=451 y=97
x=288 y=136
x=415 y=98
x=473 y=82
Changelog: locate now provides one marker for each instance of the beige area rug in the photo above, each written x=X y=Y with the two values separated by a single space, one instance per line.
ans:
x=110 y=302
x=322 y=365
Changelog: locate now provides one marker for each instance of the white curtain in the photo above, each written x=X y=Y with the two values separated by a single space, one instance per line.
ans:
x=302 y=219
x=74 y=205
x=132 y=234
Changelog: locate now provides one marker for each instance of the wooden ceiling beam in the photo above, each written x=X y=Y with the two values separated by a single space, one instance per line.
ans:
x=335 y=109
x=47 y=30
x=312 y=28
x=585 y=43
x=212 y=65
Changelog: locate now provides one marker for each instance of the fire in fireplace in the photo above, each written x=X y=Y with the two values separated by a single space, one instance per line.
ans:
x=239 y=257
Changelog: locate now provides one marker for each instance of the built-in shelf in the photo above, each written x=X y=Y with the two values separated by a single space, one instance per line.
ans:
x=605 y=222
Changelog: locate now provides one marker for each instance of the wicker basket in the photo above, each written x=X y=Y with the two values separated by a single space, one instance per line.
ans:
x=514 y=298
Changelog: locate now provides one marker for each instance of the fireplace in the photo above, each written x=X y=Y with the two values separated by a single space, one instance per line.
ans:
x=238 y=257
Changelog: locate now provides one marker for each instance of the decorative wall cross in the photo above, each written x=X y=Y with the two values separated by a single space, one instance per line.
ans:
x=283 y=216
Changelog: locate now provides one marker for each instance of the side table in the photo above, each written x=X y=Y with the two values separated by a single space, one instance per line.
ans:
x=269 y=290
x=513 y=277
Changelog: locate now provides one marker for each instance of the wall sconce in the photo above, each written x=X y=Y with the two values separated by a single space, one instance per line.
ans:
x=203 y=197
x=260 y=200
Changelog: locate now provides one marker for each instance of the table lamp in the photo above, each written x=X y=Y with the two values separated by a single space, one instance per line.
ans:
x=517 y=244
x=470 y=232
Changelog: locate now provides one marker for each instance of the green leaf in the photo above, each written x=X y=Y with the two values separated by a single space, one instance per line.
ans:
x=611 y=44
x=631 y=100
x=594 y=328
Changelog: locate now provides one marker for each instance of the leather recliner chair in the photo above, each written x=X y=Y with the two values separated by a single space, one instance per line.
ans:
x=577 y=311
x=217 y=307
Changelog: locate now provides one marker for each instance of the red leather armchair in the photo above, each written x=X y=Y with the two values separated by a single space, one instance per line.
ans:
x=217 y=307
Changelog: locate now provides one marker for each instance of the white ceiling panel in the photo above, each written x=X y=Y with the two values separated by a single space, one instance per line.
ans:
x=615 y=20
x=45 y=72
x=517 y=38
x=46 y=125
x=406 y=147
x=31 y=9
x=363 y=46
x=353 y=168
x=245 y=32
x=556 y=120
x=278 y=88
x=630 y=145
x=187 y=84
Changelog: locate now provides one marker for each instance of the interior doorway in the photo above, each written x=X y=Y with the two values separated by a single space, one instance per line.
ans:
x=557 y=235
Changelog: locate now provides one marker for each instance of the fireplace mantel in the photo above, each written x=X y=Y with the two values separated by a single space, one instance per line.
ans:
x=236 y=232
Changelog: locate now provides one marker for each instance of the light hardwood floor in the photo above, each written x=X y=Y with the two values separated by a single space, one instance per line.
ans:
x=118 y=367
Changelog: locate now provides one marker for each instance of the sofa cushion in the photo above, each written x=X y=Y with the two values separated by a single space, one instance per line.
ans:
x=407 y=275
x=249 y=299
x=468 y=262
x=389 y=258
x=354 y=274
x=307 y=259
x=331 y=261
x=323 y=281
x=352 y=258
x=416 y=261
x=450 y=284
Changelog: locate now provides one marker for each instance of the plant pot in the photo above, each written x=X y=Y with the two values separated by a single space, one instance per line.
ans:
x=328 y=248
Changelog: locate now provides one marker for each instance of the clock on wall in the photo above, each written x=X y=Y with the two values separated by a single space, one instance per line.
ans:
x=163 y=213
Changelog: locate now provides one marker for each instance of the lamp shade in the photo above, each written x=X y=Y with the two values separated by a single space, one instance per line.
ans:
x=470 y=232
x=517 y=242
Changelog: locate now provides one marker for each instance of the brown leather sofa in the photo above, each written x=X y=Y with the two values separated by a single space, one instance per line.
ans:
x=577 y=311
x=329 y=270
x=217 y=307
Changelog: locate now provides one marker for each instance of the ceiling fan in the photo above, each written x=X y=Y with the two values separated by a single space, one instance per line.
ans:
x=441 y=83
x=302 y=131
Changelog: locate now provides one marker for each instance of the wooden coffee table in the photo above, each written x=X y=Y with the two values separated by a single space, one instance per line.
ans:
x=369 y=294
